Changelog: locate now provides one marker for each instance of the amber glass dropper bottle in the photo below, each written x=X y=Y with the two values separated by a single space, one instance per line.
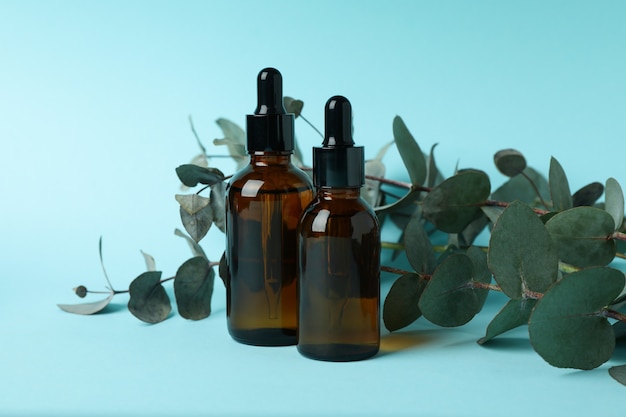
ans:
x=264 y=202
x=339 y=247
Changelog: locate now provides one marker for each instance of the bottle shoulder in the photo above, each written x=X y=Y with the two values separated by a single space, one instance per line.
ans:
x=341 y=208
x=286 y=177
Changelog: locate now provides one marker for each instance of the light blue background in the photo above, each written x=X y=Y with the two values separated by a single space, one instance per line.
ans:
x=94 y=100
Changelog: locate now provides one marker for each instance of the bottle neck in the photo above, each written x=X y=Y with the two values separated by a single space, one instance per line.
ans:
x=346 y=193
x=270 y=158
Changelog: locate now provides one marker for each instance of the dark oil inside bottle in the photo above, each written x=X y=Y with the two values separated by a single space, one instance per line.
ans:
x=339 y=282
x=262 y=257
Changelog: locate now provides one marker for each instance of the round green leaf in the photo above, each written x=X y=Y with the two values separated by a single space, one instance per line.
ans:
x=418 y=248
x=197 y=224
x=293 y=106
x=235 y=140
x=410 y=152
x=568 y=328
x=401 y=305
x=524 y=188
x=148 y=300
x=587 y=195
x=455 y=203
x=191 y=175
x=450 y=299
x=522 y=256
x=510 y=162
x=515 y=313
x=559 y=187
x=618 y=373
x=583 y=236
x=193 y=288
x=614 y=202
x=192 y=203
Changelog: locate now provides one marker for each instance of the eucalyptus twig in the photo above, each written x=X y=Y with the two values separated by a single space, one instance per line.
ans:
x=619 y=236
x=313 y=126
x=195 y=134
x=395 y=270
x=614 y=315
x=103 y=268
x=534 y=186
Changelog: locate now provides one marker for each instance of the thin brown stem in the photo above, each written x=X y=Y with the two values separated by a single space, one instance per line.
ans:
x=619 y=236
x=532 y=184
x=312 y=125
x=394 y=270
x=614 y=315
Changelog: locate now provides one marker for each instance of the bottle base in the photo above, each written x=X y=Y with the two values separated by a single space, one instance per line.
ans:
x=337 y=352
x=265 y=337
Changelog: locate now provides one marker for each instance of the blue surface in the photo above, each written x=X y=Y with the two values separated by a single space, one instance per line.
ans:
x=94 y=100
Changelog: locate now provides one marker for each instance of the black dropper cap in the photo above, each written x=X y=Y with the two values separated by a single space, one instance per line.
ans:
x=270 y=128
x=338 y=163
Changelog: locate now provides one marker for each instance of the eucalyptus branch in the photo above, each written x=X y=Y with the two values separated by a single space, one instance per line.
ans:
x=619 y=236
x=195 y=134
x=395 y=270
x=312 y=125
x=614 y=315
x=534 y=186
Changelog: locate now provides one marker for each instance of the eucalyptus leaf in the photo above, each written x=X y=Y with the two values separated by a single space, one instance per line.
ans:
x=192 y=175
x=193 y=245
x=293 y=106
x=614 y=201
x=235 y=140
x=530 y=188
x=87 y=308
x=522 y=256
x=223 y=270
x=371 y=189
x=401 y=305
x=568 y=328
x=587 y=195
x=515 y=313
x=218 y=205
x=410 y=152
x=472 y=231
x=559 y=187
x=408 y=201
x=510 y=162
x=450 y=299
x=148 y=300
x=197 y=224
x=192 y=203
x=418 y=248
x=193 y=288
x=618 y=373
x=455 y=203
x=492 y=212
x=149 y=260
x=582 y=236
x=433 y=175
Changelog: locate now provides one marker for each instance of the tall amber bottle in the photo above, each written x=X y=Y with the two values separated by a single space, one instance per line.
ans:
x=264 y=202
x=339 y=244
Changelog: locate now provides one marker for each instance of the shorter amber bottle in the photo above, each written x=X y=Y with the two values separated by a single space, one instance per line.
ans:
x=339 y=251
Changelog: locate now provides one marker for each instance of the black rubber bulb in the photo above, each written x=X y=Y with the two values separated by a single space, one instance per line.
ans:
x=338 y=122
x=269 y=92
